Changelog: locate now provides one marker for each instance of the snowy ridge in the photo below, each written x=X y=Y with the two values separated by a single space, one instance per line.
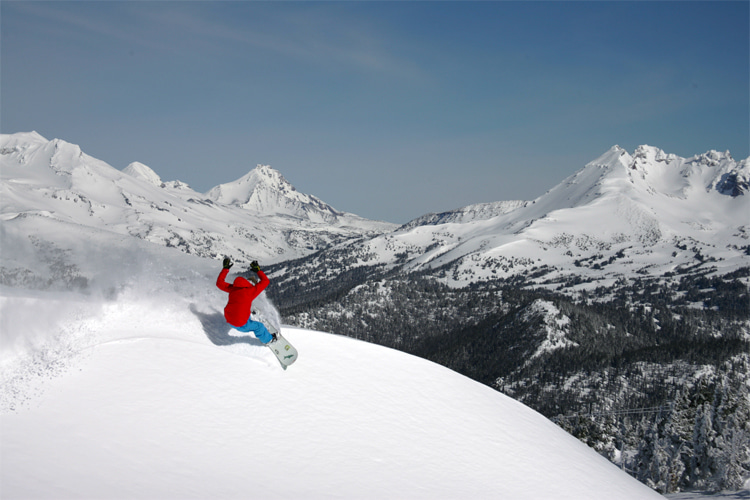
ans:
x=56 y=180
x=480 y=211
x=619 y=216
x=554 y=324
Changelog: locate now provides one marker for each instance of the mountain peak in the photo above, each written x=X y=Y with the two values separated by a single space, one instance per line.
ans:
x=711 y=158
x=268 y=172
x=267 y=177
x=736 y=180
x=266 y=191
x=651 y=153
x=612 y=157
x=143 y=172
x=244 y=190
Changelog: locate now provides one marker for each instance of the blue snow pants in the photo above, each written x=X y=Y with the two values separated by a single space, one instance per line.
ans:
x=258 y=328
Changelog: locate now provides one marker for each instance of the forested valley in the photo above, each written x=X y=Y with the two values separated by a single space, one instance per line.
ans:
x=653 y=372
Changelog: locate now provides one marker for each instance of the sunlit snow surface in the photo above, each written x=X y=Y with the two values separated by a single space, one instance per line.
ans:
x=154 y=397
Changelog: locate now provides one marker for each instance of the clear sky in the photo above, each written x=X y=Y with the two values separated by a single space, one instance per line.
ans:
x=389 y=110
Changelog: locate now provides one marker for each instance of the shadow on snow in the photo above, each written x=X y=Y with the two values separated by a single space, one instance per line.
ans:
x=218 y=330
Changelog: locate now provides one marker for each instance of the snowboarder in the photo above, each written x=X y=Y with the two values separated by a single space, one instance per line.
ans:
x=241 y=295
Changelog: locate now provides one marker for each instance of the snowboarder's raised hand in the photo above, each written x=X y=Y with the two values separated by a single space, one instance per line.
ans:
x=227 y=263
x=254 y=267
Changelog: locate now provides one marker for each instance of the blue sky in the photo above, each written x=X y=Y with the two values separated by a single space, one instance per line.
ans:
x=389 y=110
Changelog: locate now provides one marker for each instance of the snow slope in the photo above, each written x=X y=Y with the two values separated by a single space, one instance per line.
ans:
x=151 y=396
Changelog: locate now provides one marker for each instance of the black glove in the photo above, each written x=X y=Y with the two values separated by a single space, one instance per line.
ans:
x=227 y=263
x=254 y=267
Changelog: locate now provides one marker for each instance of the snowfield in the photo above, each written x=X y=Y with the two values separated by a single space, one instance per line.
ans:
x=153 y=397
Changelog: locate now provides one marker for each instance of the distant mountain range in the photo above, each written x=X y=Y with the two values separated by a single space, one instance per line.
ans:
x=257 y=217
x=621 y=215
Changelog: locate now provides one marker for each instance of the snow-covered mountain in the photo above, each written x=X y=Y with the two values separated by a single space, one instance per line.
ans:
x=152 y=396
x=259 y=217
x=622 y=215
x=479 y=211
x=265 y=190
x=144 y=173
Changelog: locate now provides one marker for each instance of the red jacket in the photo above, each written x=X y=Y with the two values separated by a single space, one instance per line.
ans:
x=241 y=295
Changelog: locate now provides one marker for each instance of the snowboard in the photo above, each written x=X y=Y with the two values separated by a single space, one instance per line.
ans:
x=282 y=349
